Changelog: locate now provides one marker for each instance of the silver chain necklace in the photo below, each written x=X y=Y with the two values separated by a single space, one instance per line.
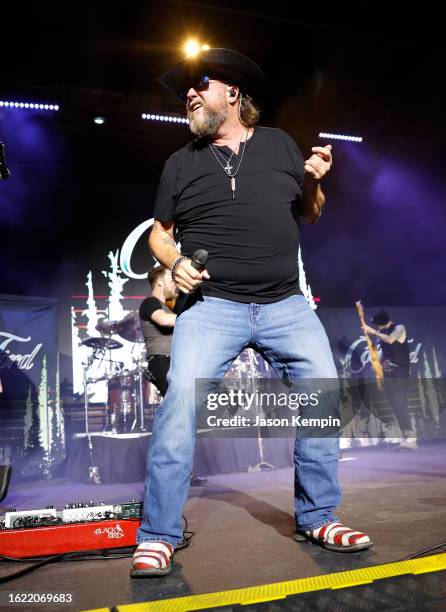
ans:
x=227 y=169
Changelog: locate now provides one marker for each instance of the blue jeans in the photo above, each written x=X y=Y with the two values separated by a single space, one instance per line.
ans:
x=207 y=338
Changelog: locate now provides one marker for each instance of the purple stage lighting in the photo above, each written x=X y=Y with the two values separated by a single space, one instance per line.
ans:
x=29 y=105
x=340 y=137
x=165 y=118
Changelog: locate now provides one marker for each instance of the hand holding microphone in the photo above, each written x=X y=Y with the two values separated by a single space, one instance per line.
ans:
x=188 y=276
x=190 y=273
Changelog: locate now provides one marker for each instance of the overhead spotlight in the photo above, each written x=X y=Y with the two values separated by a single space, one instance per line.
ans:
x=205 y=47
x=166 y=118
x=340 y=137
x=28 y=105
x=99 y=120
x=192 y=48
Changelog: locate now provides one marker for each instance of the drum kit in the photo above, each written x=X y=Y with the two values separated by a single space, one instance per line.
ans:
x=126 y=386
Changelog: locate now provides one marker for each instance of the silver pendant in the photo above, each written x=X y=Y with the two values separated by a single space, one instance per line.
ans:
x=233 y=187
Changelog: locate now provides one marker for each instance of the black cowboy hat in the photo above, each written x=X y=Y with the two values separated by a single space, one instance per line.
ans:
x=381 y=318
x=223 y=64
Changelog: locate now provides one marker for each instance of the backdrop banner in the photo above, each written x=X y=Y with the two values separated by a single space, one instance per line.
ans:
x=32 y=436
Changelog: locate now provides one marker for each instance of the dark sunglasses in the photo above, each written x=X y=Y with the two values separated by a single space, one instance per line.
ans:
x=203 y=85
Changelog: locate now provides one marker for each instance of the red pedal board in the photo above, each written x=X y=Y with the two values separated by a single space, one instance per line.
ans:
x=57 y=539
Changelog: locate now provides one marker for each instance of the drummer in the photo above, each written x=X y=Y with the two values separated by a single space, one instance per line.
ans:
x=157 y=323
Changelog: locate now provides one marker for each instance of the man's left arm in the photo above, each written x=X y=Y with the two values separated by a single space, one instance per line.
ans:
x=398 y=334
x=313 y=198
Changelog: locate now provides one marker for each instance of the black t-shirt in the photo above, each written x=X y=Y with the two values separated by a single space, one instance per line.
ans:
x=397 y=352
x=252 y=240
x=157 y=338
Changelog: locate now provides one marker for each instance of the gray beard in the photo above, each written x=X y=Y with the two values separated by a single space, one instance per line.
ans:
x=208 y=124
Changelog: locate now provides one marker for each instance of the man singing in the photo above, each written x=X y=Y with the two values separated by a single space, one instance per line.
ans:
x=238 y=191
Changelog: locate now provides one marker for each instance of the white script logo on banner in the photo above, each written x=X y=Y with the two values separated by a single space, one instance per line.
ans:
x=128 y=248
x=24 y=361
x=365 y=355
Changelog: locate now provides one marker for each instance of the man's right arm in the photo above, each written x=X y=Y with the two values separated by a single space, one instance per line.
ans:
x=162 y=244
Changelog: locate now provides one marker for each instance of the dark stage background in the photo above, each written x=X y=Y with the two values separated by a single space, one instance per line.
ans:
x=77 y=189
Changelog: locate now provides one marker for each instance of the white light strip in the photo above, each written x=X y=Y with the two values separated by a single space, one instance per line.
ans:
x=165 y=118
x=29 y=105
x=340 y=137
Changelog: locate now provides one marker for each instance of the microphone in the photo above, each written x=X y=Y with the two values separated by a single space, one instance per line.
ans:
x=199 y=261
x=4 y=172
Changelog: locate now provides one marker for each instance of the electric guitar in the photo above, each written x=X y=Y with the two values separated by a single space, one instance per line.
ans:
x=373 y=350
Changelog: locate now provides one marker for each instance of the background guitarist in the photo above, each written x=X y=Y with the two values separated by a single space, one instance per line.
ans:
x=396 y=365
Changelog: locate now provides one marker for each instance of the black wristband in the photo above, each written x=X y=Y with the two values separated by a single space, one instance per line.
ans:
x=175 y=265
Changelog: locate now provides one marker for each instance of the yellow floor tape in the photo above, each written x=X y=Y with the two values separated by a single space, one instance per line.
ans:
x=279 y=590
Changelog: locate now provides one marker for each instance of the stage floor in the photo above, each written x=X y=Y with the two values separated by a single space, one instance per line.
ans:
x=244 y=528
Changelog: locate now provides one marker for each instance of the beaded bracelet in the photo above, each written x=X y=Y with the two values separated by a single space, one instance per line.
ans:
x=175 y=265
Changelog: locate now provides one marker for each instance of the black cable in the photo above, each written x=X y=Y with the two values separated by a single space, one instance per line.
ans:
x=424 y=551
x=27 y=570
x=104 y=557
x=102 y=553
x=187 y=535
x=74 y=556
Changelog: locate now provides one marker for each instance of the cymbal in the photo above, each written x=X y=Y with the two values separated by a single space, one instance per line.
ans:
x=106 y=327
x=101 y=343
x=129 y=328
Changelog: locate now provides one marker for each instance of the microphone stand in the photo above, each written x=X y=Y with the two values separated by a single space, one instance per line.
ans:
x=4 y=172
x=93 y=470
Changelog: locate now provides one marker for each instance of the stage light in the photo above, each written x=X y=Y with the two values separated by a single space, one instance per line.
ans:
x=192 y=47
x=165 y=118
x=340 y=137
x=29 y=105
x=99 y=120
